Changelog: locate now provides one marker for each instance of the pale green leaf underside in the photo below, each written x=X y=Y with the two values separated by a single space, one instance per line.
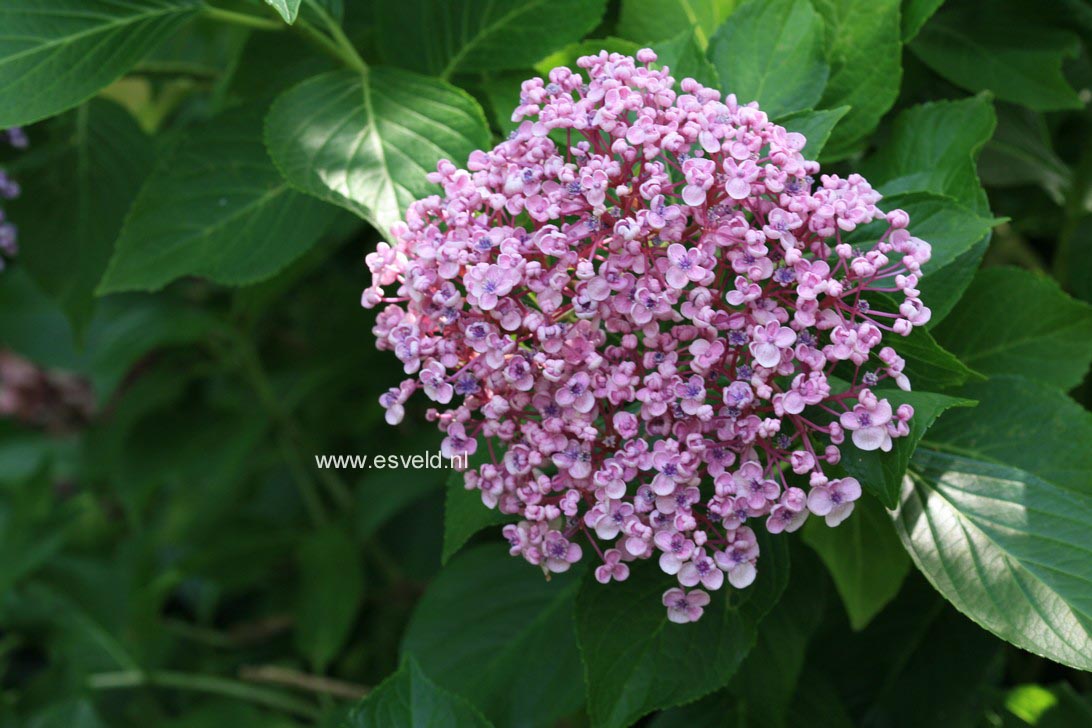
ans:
x=287 y=9
x=53 y=55
x=216 y=207
x=1011 y=551
x=366 y=142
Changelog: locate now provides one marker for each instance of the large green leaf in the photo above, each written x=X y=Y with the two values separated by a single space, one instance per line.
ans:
x=367 y=141
x=649 y=662
x=73 y=206
x=409 y=698
x=215 y=207
x=330 y=594
x=815 y=125
x=1021 y=153
x=1012 y=321
x=501 y=615
x=1022 y=423
x=949 y=227
x=864 y=557
x=881 y=473
x=445 y=37
x=933 y=148
x=1003 y=47
x=865 y=54
x=767 y=679
x=648 y=21
x=772 y=52
x=915 y=13
x=685 y=58
x=56 y=53
x=1008 y=549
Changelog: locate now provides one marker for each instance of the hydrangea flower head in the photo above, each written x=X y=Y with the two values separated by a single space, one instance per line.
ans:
x=637 y=302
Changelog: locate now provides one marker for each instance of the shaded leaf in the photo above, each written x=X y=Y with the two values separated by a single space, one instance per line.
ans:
x=1001 y=47
x=915 y=13
x=864 y=557
x=525 y=658
x=1012 y=321
x=445 y=37
x=650 y=663
x=236 y=222
x=410 y=698
x=331 y=590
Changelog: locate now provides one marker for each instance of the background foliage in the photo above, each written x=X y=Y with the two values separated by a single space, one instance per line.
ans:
x=203 y=182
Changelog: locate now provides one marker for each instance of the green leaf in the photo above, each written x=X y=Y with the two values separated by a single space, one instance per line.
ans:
x=1012 y=321
x=384 y=493
x=445 y=37
x=464 y=512
x=864 y=557
x=287 y=9
x=649 y=21
x=881 y=473
x=1003 y=47
x=772 y=52
x=649 y=663
x=933 y=148
x=721 y=708
x=55 y=54
x=915 y=13
x=815 y=125
x=942 y=290
x=929 y=366
x=234 y=221
x=865 y=54
x=685 y=58
x=1058 y=706
x=917 y=646
x=767 y=680
x=72 y=207
x=951 y=228
x=367 y=141
x=123 y=330
x=330 y=594
x=1021 y=153
x=68 y=714
x=1024 y=424
x=410 y=698
x=524 y=655
x=568 y=56
x=1009 y=550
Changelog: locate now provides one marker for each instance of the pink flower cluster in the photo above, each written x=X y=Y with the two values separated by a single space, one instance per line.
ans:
x=9 y=190
x=635 y=307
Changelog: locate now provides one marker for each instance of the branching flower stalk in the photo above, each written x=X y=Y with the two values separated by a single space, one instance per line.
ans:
x=639 y=303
